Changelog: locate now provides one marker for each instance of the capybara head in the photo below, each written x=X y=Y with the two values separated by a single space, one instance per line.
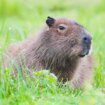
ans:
x=67 y=37
x=60 y=44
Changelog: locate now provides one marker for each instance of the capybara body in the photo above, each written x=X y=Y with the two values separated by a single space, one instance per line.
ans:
x=61 y=47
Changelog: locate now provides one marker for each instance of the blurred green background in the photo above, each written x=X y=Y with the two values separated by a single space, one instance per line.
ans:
x=19 y=18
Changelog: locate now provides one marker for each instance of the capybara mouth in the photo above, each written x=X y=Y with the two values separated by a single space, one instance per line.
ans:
x=85 y=51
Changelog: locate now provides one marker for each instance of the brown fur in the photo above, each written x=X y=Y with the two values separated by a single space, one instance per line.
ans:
x=56 y=50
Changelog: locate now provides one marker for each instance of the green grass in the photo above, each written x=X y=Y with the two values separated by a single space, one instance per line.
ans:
x=19 y=18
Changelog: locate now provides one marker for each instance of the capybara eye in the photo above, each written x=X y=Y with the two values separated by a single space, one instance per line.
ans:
x=62 y=27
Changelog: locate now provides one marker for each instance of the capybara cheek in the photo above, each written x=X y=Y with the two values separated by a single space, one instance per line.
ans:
x=76 y=50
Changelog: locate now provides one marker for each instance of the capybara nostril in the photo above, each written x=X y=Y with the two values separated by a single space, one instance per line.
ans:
x=87 y=39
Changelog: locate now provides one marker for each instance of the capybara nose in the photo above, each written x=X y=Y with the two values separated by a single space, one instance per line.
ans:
x=87 y=40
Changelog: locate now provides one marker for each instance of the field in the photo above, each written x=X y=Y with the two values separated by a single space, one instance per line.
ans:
x=18 y=19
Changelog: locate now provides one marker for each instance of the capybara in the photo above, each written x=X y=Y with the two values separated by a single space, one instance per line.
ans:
x=62 y=47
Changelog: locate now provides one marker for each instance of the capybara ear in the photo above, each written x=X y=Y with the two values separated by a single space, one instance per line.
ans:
x=50 y=21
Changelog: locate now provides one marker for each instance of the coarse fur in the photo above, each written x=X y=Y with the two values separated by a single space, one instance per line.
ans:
x=59 y=48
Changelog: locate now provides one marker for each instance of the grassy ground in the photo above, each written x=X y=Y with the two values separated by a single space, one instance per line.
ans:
x=18 y=18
